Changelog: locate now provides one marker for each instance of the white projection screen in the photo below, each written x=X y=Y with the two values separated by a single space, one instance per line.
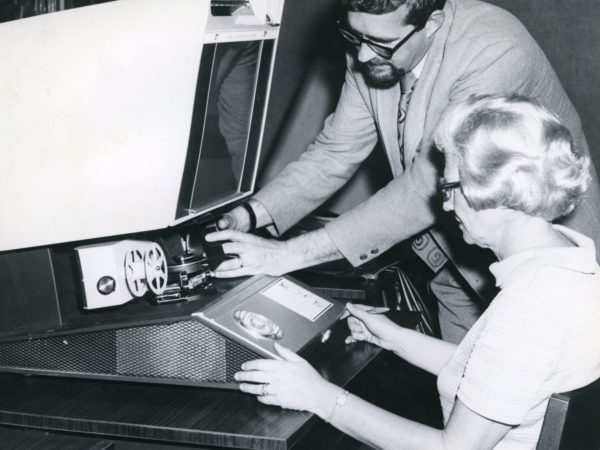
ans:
x=95 y=112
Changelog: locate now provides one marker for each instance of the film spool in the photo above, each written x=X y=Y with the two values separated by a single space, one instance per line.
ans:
x=135 y=273
x=155 y=268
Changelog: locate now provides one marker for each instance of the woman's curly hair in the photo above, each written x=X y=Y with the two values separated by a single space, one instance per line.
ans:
x=513 y=153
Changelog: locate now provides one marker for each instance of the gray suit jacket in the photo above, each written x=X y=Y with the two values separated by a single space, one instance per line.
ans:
x=479 y=49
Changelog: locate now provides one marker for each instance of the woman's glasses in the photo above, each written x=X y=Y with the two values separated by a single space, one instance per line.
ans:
x=446 y=188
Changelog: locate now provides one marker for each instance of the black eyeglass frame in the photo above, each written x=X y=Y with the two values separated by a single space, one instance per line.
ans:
x=446 y=188
x=379 y=49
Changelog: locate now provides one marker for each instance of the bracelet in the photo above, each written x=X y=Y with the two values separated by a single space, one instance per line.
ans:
x=252 y=215
x=339 y=402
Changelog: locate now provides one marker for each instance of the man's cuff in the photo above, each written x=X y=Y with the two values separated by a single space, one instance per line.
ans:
x=263 y=218
x=348 y=245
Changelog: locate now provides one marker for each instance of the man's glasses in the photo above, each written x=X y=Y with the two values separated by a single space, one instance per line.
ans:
x=446 y=188
x=379 y=49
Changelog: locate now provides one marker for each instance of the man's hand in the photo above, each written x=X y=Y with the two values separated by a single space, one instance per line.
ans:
x=246 y=217
x=236 y=219
x=255 y=255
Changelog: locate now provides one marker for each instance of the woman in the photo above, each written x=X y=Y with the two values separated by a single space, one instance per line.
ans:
x=510 y=170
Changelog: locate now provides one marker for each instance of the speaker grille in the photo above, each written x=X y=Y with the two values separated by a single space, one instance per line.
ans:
x=177 y=352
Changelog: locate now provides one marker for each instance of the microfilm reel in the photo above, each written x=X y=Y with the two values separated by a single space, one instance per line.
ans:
x=258 y=325
x=155 y=265
x=135 y=274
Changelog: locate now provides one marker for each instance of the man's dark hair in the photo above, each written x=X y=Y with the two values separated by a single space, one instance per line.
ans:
x=418 y=10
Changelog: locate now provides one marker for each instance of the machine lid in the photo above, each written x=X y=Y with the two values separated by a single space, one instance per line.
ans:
x=95 y=119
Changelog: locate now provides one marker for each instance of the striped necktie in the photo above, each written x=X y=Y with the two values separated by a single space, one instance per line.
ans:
x=407 y=85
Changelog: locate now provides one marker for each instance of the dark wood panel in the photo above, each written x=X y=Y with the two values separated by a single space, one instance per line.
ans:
x=29 y=300
x=16 y=439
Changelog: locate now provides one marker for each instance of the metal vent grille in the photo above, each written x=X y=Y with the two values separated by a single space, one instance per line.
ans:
x=183 y=352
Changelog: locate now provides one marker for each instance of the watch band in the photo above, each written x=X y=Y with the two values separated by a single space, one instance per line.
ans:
x=339 y=402
x=251 y=214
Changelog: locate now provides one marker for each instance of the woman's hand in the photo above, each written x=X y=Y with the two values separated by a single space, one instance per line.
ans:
x=291 y=383
x=367 y=323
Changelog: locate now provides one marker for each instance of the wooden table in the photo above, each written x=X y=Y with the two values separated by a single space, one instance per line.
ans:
x=180 y=416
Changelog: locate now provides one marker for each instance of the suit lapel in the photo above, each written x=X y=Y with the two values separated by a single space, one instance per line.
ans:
x=421 y=101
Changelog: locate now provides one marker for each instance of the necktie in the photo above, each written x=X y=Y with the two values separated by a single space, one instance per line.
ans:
x=423 y=245
x=407 y=85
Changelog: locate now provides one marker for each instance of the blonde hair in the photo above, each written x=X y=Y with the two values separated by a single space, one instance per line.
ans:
x=513 y=153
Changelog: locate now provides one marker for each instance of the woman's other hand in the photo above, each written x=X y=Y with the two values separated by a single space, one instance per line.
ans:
x=367 y=323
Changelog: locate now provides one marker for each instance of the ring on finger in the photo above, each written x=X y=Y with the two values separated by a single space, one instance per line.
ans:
x=264 y=389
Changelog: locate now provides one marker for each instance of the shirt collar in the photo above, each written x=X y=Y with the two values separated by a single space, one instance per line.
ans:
x=581 y=258
x=418 y=69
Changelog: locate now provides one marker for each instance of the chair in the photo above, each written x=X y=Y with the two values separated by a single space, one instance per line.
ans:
x=572 y=420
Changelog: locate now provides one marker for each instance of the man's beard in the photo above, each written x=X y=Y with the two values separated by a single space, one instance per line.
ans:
x=380 y=74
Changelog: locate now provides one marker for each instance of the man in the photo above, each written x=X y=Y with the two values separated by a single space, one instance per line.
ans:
x=454 y=48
